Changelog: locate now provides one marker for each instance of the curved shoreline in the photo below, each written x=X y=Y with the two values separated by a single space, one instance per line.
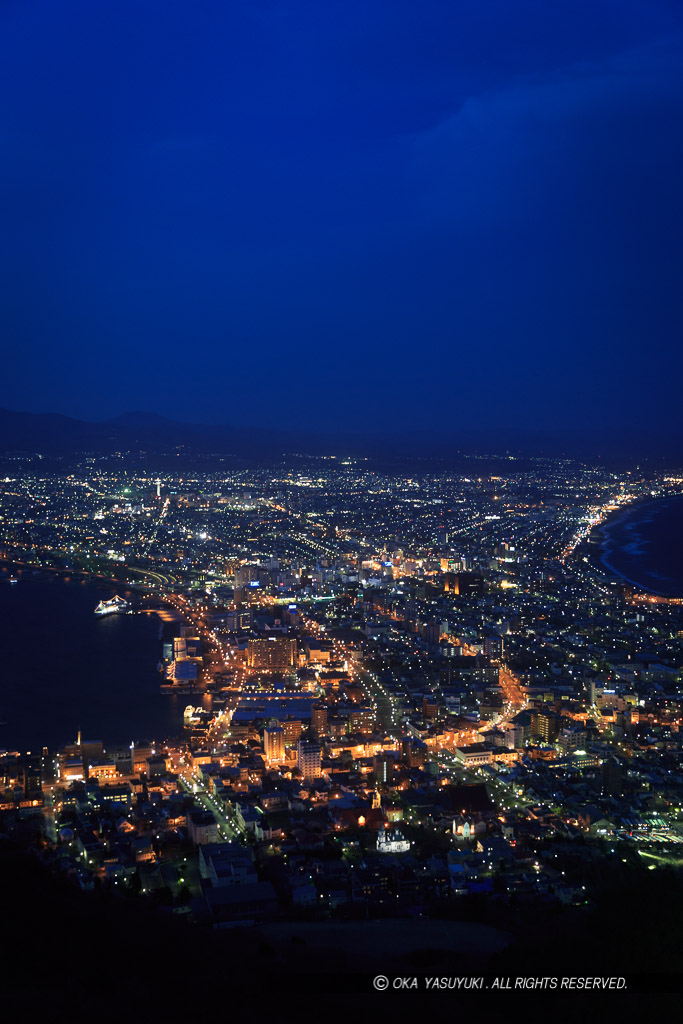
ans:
x=90 y=577
x=603 y=558
x=141 y=596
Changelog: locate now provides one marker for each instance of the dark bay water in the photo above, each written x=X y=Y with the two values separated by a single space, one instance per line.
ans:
x=644 y=545
x=62 y=668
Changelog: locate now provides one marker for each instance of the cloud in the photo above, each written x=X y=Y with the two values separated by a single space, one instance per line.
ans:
x=500 y=141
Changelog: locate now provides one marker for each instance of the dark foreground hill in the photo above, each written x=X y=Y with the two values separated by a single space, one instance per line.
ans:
x=111 y=956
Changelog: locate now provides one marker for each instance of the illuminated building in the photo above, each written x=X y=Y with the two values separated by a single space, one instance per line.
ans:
x=292 y=728
x=319 y=651
x=383 y=766
x=239 y=619
x=104 y=769
x=271 y=654
x=392 y=840
x=274 y=743
x=493 y=648
x=475 y=755
x=309 y=759
x=32 y=777
x=544 y=725
x=464 y=584
x=202 y=827
x=362 y=720
x=319 y=719
x=247 y=575
x=430 y=709
x=414 y=752
x=71 y=769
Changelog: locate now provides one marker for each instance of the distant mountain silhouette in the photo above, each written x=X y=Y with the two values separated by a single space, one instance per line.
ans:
x=49 y=432
x=140 y=419
x=54 y=434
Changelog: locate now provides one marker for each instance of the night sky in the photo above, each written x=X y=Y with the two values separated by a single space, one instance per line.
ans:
x=392 y=215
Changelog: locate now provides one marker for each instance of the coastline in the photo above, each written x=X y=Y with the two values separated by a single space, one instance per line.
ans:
x=602 y=547
x=166 y=605
x=96 y=691
x=84 y=574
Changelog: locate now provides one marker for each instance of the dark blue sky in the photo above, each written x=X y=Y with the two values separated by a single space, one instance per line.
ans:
x=389 y=215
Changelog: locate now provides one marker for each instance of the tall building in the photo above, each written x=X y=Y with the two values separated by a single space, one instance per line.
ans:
x=493 y=648
x=383 y=766
x=319 y=719
x=309 y=756
x=544 y=725
x=271 y=654
x=430 y=708
x=202 y=827
x=274 y=743
x=362 y=720
x=247 y=574
x=413 y=752
x=464 y=584
x=612 y=777
x=292 y=728
x=33 y=784
x=238 y=619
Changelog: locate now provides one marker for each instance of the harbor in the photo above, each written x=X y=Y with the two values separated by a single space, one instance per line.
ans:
x=70 y=668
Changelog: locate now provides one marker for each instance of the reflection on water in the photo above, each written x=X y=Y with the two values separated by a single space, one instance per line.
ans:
x=65 y=669
x=644 y=545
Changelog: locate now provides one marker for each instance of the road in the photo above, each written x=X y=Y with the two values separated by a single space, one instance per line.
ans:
x=228 y=827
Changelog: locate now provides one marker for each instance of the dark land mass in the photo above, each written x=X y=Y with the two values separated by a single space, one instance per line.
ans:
x=100 y=951
x=53 y=434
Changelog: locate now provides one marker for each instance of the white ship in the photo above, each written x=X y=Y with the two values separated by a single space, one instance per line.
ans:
x=191 y=716
x=117 y=604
